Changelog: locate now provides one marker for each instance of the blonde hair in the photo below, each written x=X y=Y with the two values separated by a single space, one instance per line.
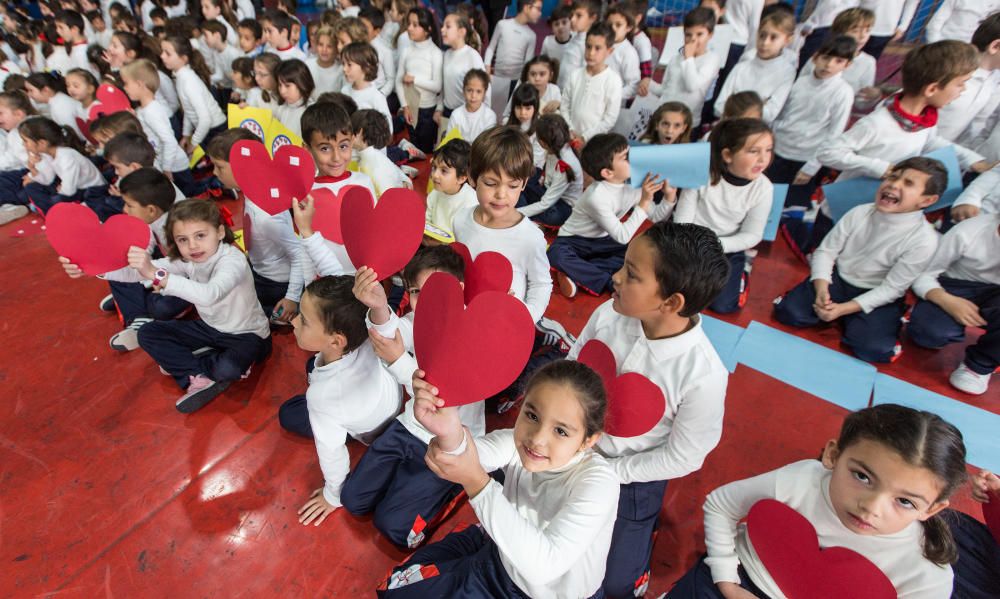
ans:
x=850 y=18
x=143 y=71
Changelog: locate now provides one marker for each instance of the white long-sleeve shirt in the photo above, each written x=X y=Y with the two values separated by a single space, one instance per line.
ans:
x=13 y=156
x=523 y=245
x=221 y=64
x=442 y=207
x=553 y=48
x=599 y=211
x=383 y=172
x=591 y=103
x=572 y=59
x=245 y=10
x=512 y=45
x=964 y=119
x=471 y=124
x=625 y=61
x=456 y=64
x=805 y=124
x=876 y=142
x=75 y=171
x=292 y=51
x=771 y=79
x=155 y=121
x=969 y=251
x=327 y=79
x=273 y=248
x=385 y=81
x=825 y=11
x=983 y=192
x=64 y=110
x=327 y=257
x=553 y=528
x=805 y=487
x=290 y=115
x=354 y=396
x=883 y=253
x=369 y=97
x=737 y=214
x=958 y=19
x=255 y=98
x=688 y=80
x=221 y=288
x=890 y=15
x=557 y=184
x=744 y=17
x=859 y=74
x=167 y=93
x=693 y=379
x=423 y=60
x=78 y=59
x=201 y=111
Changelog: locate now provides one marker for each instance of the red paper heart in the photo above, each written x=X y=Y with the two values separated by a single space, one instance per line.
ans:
x=110 y=100
x=991 y=513
x=470 y=353
x=328 y=204
x=84 y=128
x=490 y=271
x=385 y=236
x=74 y=232
x=787 y=546
x=635 y=403
x=272 y=183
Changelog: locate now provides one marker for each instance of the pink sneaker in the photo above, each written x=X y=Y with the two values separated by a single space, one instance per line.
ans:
x=200 y=391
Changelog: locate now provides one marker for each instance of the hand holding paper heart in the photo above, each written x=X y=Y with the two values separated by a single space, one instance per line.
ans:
x=272 y=183
x=635 y=403
x=75 y=233
x=490 y=271
x=788 y=547
x=382 y=236
x=470 y=353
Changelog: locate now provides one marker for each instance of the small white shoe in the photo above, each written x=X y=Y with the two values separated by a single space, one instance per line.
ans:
x=12 y=212
x=968 y=381
x=127 y=339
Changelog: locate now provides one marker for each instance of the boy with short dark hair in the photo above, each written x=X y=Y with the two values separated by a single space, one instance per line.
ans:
x=451 y=193
x=221 y=54
x=965 y=121
x=862 y=269
x=584 y=15
x=592 y=97
x=374 y=20
x=860 y=74
x=70 y=27
x=371 y=134
x=511 y=45
x=691 y=72
x=554 y=45
x=251 y=37
x=277 y=32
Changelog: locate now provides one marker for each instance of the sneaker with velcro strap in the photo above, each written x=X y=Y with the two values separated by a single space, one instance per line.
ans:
x=127 y=339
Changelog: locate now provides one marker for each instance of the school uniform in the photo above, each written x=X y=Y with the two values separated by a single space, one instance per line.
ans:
x=369 y=97
x=290 y=52
x=327 y=79
x=688 y=80
x=392 y=481
x=383 y=172
x=983 y=192
x=743 y=17
x=644 y=48
x=560 y=194
x=592 y=242
x=79 y=181
x=221 y=64
x=232 y=322
x=58 y=61
x=890 y=15
x=859 y=74
x=523 y=245
x=442 y=207
x=511 y=46
x=625 y=61
x=572 y=58
x=958 y=19
x=471 y=124
x=542 y=534
x=290 y=115
x=275 y=255
x=966 y=264
x=64 y=110
x=255 y=98
x=804 y=486
x=553 y=48
x=203 y=119
x=818 y=25
x=78 y=59
x=423 y=61
x=693 y=379
x=456 y=64
x=325 y=257
x=871 y=258
x=771 y=79
x=170 y=158
x=13 y=168
x=591 y=103
x=385 y=81
x=964 y=120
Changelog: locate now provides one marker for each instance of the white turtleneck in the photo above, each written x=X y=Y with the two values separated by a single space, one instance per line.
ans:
x=969 y=251
x=805 y=125
x=736 y=213
x=771 y=79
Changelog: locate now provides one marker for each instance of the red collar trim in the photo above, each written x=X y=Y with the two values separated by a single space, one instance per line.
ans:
x=83 y=43
x=288 y=47
x=928 y=118
x=326 y=179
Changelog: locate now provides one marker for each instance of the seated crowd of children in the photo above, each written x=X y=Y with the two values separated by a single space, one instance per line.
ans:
x=525 y=145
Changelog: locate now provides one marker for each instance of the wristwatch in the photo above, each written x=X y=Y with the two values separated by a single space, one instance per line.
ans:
x=159 y=275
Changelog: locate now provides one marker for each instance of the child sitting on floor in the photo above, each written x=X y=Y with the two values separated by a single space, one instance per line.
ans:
x=452 y=193
x=562 y=180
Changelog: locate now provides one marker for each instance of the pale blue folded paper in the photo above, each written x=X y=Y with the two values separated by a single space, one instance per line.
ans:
x=685 y=166
x=777 y=206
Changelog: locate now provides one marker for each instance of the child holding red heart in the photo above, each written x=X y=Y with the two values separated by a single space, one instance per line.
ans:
x=652 y=327
x=877 y=491
x=545 y=531
x=392 y=480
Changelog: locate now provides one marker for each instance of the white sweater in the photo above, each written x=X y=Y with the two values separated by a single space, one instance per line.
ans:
x=512 y=45
x=456 y=64
x=983 y=193
x=422 y=60
x=806 y=124
x=771 y=79
x=969 y=251
x=155 y=121
x=590 y=104
x=291 y=52
x=471 y=124
x=442 y=208
x=385 y=81
x=523 y=245
x=201 y=111
x=965 y=118
x=625 y=61
x=290 y=115
x=75 y=171
x=383 y=172
x=221 y=288
x=599 y=211
x=327 y=79
x=859 y=74
x=354 y=396
x=553 y=48
x=744 y=16
x=890 y=15
x=553 y=528
x=13 y=156
x=805 y=487
x=572 y=59
x=64 y=110
x=167 y=93
x=369 y=97
x=883 y=253
x=78 y=59
x=255 y=98
x=958 y=19
x=693 y=379
x=737 y=214
x=221 y=63
x=557 y=184
x=688 y=80
x=273 y=248
x=825 y=11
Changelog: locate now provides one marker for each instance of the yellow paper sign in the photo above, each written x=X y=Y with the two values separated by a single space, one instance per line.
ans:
x=239 y=241
x=196 y=156
x=438 y=234
x=254 y=120
x=279 y=135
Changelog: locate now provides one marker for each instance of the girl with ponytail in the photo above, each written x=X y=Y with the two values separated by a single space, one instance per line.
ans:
x=55 y=151
x=203 y=119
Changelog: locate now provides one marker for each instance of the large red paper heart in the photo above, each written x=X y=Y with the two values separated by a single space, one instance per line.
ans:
x=110 y=100
x=490 y=271
x=84 y=128
x=787 y=546
x=991 y=513
x=272 y=183
x=470 y=353
x=328 y=204
x=383 y=236
x=635 y=403
x=74 y=232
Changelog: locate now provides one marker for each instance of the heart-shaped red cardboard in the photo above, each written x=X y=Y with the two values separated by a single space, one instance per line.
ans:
x=74 y=232
x=84 y=128
x=991 y=513
x=635 y=403
x=470 y=353
x=272 y=183
x=110 y=100
x=490 y=271
x=328 y=204
x=787 y=546
x=385 y=236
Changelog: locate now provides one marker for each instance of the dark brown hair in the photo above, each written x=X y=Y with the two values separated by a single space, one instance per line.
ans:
x=689 y=260
x=222 y=144
x=732 y=135
x=194 y=210
x=587 y=385
x=371 y=125
x=363 y=55
x=434 y=257
x=340 y=311
x=651 y=134
x=296 y=72
x=938 y=63
x=182 y=47
x=503 y=150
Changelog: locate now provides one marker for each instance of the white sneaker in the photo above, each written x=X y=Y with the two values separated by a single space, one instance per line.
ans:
x=12 y=212
x=107 y=303
x=127 y=339
x=409 y=171
x=412 y=149
x=554 y=333
x=968 y=381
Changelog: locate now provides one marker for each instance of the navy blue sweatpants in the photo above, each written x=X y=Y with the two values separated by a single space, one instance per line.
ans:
x=392 y=480
x=44 y=197
x=170 y=343
x=871 y=336
x=134 y=300
x=697 y=584
x=11 y=189
x=632 y=541
x=732 y=298
x=293 y=415
x=269 y=292
x=977 y=571
x=590 y=262
x=932 y=327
